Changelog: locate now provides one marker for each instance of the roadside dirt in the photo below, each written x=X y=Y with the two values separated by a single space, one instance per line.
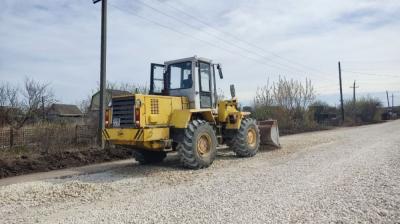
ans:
x=35 y=162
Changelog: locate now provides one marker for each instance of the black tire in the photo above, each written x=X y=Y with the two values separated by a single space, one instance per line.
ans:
x=148 y=157
x=239 y=140
x=191 y=150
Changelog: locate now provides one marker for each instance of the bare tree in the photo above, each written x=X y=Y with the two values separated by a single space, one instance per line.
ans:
x=292 y=94
x=286 y=100
x=84 y=104
x=3 y=96
x=20 y=105
x=130 y=87
x=264 y=95
x=287 y=93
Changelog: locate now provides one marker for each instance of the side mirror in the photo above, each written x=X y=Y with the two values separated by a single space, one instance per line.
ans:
x=221 y=76
x=233 y=93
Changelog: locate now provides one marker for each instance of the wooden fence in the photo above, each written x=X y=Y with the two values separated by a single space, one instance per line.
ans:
x=83 y=134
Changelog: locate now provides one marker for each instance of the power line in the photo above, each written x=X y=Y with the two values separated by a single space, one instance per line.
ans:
x=280 y=66
x=371 y=61
x=239 y=39
x=230 y=43
x=371 y=74
x=194 y=37
x=169 y=28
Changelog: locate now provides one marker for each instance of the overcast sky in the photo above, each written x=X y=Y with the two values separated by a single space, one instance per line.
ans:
x=59 y=42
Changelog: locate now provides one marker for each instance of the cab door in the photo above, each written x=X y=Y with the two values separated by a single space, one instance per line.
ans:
x=205 y=86
x=157 y=77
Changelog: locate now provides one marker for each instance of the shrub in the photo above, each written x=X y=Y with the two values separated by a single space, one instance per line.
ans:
x=287 y=101
x=364 y=110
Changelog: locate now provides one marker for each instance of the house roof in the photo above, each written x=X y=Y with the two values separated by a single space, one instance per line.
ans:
x=64 y=109
x=94 y=104
x=114 y=92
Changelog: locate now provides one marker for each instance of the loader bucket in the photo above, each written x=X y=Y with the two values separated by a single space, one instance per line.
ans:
x=269 y=133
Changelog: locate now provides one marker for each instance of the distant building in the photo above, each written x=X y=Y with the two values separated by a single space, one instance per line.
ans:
x=64 y=113
x=324 y=114
x=390 y=113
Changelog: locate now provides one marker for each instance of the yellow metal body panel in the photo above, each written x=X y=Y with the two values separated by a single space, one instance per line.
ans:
x=150 y=138
x=157 y=115
x=208 y=116
x=157 y=110
x=136 y=134
x=238 y=120
x=227 y=109
x=181 y=118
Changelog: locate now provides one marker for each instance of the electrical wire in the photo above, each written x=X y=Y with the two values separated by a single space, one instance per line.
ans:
x=276 y=65
x=230 y=43
x=239 y=39
x=371 y=74
x=194 y=37
x=371 y=61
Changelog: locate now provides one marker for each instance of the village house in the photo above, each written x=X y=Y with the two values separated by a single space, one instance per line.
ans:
x=64 y=113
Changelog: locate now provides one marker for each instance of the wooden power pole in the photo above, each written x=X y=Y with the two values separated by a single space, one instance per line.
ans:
x=341 y=92
x=43 y=110
x=387 y=96
x=392 y=102
x=354 y=100
x=103 y=79
x=354 y=87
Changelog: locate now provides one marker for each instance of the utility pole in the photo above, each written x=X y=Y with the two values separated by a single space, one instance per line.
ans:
x=354 y=100
x=392 y=102
x=43 y=110
x=102 y=68
x=387 y=96
x=341 y=92
x=354 y=92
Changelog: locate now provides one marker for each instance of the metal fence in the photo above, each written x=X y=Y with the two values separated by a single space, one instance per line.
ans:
x=83 y=134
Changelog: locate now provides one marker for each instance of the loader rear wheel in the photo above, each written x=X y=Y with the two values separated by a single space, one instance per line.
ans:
x=199 y=146
x=246 y=141
x=148 y=157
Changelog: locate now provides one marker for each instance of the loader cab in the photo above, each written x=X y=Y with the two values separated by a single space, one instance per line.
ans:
x=192 y=77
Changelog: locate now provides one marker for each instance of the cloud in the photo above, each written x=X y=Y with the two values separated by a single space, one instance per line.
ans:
x=59 y=41
x=370 y=17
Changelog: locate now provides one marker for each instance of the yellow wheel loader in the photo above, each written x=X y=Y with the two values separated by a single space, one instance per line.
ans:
x=182 y=113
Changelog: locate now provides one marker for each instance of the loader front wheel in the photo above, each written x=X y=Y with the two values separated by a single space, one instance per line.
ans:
x=246 y=141
x=148 y=157
x=199 y=146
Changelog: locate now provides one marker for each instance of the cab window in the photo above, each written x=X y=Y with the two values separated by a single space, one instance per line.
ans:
x=205 y=77
x=180 y=75
x=156 y=78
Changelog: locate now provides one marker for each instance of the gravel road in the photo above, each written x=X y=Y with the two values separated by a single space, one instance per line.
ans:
x=345 y=175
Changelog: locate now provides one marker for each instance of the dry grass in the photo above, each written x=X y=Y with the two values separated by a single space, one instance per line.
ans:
x=51 y=138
